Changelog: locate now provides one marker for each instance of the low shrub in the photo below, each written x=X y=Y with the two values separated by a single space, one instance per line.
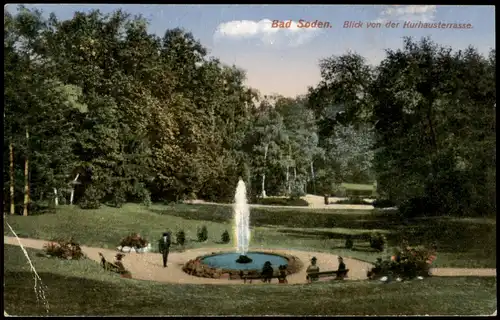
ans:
x=383 y=203
x=338 y=191
x=353 y=200
x=180 y=237
x=91 y=198
x=225 y=238
x=202 y=234
x=134 y=240
x=146 y=198
x=349 y=243
x=377 y=241
x=64 y=249
x=417 y=207
x=297 y=192
x=119 y=198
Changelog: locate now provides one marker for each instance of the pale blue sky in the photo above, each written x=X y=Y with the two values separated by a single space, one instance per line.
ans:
x=286 y=61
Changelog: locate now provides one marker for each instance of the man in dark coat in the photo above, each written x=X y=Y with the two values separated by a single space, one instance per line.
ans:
x=341 y=271
x=165 y=247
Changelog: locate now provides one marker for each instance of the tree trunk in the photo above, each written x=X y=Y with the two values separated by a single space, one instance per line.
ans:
x=313 y=178
x=294 y=174
x=288 y=180
x=263 y=185
x=56 y=199
x=264 y=175
x=26 y=181
x=433 y=139
x=288 y=183
x=73 y=190
x=11 y=150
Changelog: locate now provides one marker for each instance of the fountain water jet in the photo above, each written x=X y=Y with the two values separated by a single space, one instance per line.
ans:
x=241 y=212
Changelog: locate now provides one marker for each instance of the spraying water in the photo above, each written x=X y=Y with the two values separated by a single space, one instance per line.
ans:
x=241 y=218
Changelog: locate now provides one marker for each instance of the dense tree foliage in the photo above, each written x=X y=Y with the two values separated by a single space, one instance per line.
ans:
x=432 y=112
x=98 y=110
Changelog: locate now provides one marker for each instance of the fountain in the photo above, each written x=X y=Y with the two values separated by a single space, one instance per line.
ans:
x=242 y=260
x=242 y=222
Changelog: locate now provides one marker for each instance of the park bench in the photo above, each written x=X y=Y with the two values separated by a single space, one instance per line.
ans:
x=340 y=275
x=246 y=277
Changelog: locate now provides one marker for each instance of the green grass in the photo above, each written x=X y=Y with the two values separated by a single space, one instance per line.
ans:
x=83 y=288
x=357 y=186
x=275 y=201
x=461 y=242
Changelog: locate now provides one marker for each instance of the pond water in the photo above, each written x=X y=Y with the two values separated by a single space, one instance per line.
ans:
x=228 y=261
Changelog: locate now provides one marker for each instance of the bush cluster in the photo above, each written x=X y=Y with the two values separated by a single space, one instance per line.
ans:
x=146 y=198
x=119 y=197
x=64 y=249
x=225 y=238
x=377 y=241
x=337 y=191
x=353 y=200
x=297 y=192
x=91 y=198
x=180 y=237
x=134 y=240
x=406 y=263
x=349 y=243
x=418 y=206
x=383 y=203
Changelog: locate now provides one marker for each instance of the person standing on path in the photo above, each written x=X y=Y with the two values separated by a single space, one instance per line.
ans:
x=165 y=247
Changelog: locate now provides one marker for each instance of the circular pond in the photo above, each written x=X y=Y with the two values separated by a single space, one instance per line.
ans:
x=227 y=261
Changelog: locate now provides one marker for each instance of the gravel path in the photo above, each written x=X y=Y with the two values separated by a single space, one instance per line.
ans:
x=148 y=266
x=464 y=272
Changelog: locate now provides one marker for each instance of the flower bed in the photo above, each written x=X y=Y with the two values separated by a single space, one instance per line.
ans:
x=128 y=249
x=407 y=263
x=64 y=249
x=134 y=242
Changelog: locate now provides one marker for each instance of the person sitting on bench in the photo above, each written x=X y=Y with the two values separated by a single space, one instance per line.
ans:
x=341 y=271
x=267 y=272
x=313 y=268
x=121 y=268
x=374 y=272
x=282 y=274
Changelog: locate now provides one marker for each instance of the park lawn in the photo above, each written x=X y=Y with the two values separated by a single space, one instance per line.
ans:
x=461 y=242
x=106 y=226
x=82 y=287
x=357 y=186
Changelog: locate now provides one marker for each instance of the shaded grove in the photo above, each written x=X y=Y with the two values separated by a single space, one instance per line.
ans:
x=131 y=116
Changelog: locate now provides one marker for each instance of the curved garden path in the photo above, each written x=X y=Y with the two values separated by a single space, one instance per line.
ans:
x=315 y=202
x=148 y=266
